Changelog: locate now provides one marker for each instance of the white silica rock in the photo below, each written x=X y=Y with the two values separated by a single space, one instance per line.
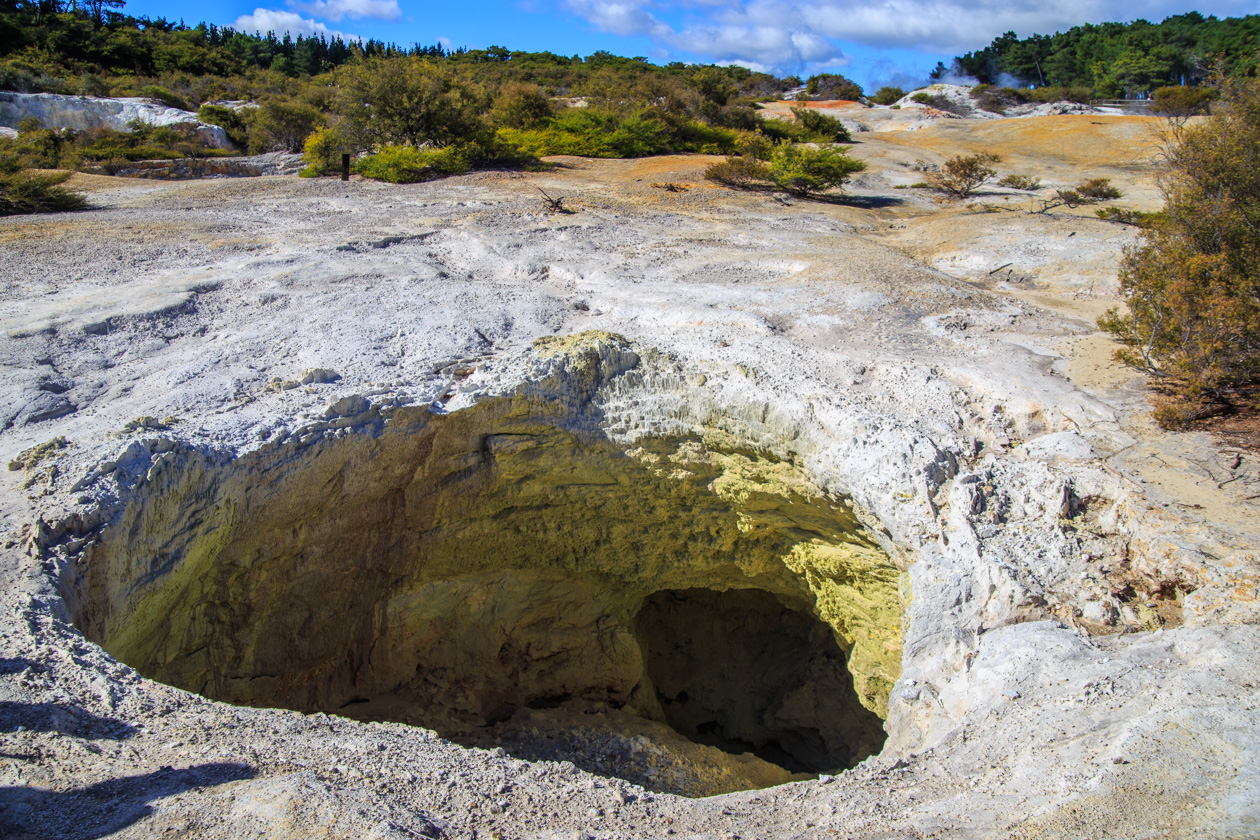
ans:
x=81 y=113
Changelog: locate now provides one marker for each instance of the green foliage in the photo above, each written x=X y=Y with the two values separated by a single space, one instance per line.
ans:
x=1192 y=288
x=282 y=125
x=1020 y=182
x=939 y=101
x=1092 y=191
x=407 y=164
x=409 y=101
x=820 y=127
x=1119 y=59
x=593 y=132
x=521 y=105
x=1137 y=218
x=161 y=94
x=1182 y=101
x=832 y=86
x=91 y=84
x=228 y=119
x=806 y=171
x=25 y=192
x=962 y=175
x=743 y=172
x=801 y=170
x=323 y=150
x=1097 y=189
x=887 y=95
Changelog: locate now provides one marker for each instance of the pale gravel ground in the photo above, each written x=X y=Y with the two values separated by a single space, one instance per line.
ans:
x=820 y=337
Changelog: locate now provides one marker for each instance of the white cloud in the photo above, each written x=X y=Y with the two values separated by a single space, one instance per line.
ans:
x=790 y=34
x=280 y=22
x=356 y=9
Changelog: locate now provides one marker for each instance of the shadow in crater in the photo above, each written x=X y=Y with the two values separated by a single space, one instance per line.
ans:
x=104 y=808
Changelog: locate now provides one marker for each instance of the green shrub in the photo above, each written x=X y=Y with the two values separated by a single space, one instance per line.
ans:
x=832 y=86
x=521 y=106
x=1020 y=182
x=322 y=152
x=1192 y=315
x=407 y=164
x=821 y=128
x=91 y=85
x=38 y=148
x=754 y=145
x=887 y=95
x=24 y=192
x=1181 y=101
x=595 y=132
x=781 y=131
x=962 y=175
x=161 y=94
x=1137 y=218
x=1097 y=189
x=15 y=75
x=228 y=119
x=282 y=125
x=940 y=102
x=1093 y=191
x=739 y=172
x=406 y=100
x=805 y=171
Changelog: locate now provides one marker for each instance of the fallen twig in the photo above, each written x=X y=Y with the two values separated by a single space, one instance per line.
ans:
x=554 y=205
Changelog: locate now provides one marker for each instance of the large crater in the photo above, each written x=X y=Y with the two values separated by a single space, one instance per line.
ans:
x=507 y=575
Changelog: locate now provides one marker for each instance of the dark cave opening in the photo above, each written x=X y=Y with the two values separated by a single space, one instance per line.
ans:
x=741 y=671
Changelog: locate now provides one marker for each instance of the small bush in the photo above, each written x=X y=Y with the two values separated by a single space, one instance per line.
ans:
x=1181 y=101
x=161 y=94
x=939 y=101
x=832 y=86
x=521 y=106
x=91 y=85
x=17 y=76
x=1098 y=189
x=806 y=171
x=1020 y=182
x=322 y=152
x=228 y=119
x=142 y=142
x=1137 y=218
x=996 y=100
x=407 y=164
x=962 y=175
x=1093 y=191
x=282 y=125
x=887 y=95
x=754 y=145
x=821 y=127
x=24 y=192
x=1192 y=316
x=739 y=172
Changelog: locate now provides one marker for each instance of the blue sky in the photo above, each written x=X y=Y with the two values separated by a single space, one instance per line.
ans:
x=873 y=41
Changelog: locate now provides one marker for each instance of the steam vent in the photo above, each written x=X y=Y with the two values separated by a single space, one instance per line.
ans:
x=508 y=574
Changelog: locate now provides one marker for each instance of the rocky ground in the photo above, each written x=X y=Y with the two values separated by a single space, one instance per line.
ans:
x=1079 y=644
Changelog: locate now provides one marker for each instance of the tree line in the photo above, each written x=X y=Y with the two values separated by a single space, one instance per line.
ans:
x=1119 y=59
